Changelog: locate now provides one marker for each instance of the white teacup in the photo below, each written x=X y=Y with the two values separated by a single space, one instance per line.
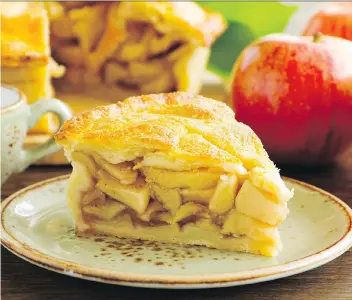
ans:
x=16 y=118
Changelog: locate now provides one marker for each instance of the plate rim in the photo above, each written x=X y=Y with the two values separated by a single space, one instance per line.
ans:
x=62 y=266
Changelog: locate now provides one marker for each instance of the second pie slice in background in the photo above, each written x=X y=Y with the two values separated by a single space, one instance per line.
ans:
x=119 y=49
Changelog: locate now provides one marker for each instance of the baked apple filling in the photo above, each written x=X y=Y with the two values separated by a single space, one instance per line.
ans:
x=129 y=46
x=223 y=207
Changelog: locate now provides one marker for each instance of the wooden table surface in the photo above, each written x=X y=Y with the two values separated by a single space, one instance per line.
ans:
x=21 y=280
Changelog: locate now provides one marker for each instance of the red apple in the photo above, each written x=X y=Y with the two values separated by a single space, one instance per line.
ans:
x=333 y=19
x=296 y=94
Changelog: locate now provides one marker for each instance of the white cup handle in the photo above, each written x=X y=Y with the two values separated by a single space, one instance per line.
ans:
x=36 y=110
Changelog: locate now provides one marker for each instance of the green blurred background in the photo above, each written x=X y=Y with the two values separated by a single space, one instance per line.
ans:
x=247 y=21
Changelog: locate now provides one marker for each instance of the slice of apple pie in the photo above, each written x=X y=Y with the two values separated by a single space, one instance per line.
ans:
x=119 y=49
x=174 y=168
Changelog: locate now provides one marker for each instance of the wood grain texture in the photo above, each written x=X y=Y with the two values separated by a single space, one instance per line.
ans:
x=21 y=280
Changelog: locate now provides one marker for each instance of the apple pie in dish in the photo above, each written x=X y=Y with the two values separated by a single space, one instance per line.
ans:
x=174 y=168
x=121 y=49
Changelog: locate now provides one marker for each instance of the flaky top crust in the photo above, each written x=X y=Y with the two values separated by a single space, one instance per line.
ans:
x=24 y=34
x=181 y=125
x=204 y=25
x=201 y=25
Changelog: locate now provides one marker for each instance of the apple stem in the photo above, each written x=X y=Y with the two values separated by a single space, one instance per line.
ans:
x=317 y=37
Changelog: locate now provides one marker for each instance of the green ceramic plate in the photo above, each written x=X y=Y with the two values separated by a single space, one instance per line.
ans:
x=36 y=226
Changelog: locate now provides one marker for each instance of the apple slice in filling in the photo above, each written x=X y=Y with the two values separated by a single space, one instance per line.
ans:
x=134 y=196
x=197 y=179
